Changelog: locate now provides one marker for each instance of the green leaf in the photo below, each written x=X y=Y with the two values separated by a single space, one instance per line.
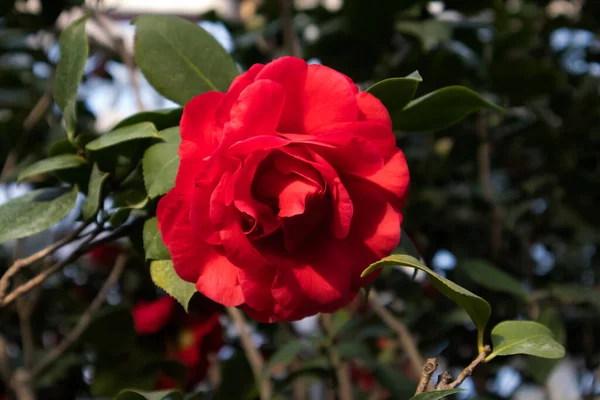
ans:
x=490 y=277
x=440 y=109
x=171 y=135
x=164 y=276
x=130 y=394
x=396 y=93
x=436 y=394
x=541 y=368
x=160 y=165
x=56 y=163
x=429 y=32
x=92 y=203
x=570 y=293
x=285 y=355
x=478 y=309
x=180 y=59
x=407 y=246
x=162 y=119
x=153 y=243
x=524 y=337
x=35 y=212
x=69 y=71
x=143 y=130
x=397 y=384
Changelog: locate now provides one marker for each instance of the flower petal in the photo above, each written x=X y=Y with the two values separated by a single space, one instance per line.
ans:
x=372 y=109
x=198 y=123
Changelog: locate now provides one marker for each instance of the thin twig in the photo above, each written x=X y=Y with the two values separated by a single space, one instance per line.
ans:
x=83 y=248
x=9 y=164
x=341 y=368
x=290 y=40
x=23 y=262
x=487 y=188
x=38 y=111
x=407 y=342
x=21 y=385
x=469 y=370
x=443 y=380
x=24 y=310
x=126 y=57
x=254 y=357
x=85 y=319
x=5 y=370
x=428 y=369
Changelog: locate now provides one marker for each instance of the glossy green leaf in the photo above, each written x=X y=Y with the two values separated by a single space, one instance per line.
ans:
x=162 y=119
x=160 y=164
x=397 y=384
x=35 y=212
x=92 y=203
x=153 y=243
x=436 y=394
x=490 y=277
x=440 y=109
x=164 y=276
x=180 y=59
x=69 y=71
x=142 y=130
x=478 y=309
x=130 y=394
x=396 y=93
x=56 y=163
x=171 y=135
x=284 y=355
x=541 y=368
x=524 y=337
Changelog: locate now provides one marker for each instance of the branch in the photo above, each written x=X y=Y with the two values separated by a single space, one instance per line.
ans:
x=405 y=337
x=126 y=57
x=290 y=40
x=428 y=369
x=85 y=319
x=341 y=369
x=485 y=182
x=5 y=370
x=469 y=370
x=38 y=111
x=254 y=357
x=21 y=385
x=23 y=262
x=82 y=249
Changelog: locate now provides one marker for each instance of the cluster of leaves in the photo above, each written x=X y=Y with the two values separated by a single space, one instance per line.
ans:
x=123 y=172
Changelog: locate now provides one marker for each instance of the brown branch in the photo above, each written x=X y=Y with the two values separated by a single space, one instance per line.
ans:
x=469 y=370
x=126 y=57
x=407 y=342
x=254 y=357
x=83 y=248
x=485 y=182
x=38 y=111
x=21 y=385
x=341 y=368
x=85 y=319
x=23 y=262
x=443 y=380
x=290 y=40
x=428 y=369
x=5 y=370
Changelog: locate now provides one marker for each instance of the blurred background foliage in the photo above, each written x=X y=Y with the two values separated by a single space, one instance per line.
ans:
x=503 y=204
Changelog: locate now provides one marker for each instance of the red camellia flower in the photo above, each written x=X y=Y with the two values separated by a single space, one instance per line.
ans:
x=289 y=186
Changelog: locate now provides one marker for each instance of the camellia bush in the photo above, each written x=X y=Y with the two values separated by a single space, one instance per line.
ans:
x=274 y=194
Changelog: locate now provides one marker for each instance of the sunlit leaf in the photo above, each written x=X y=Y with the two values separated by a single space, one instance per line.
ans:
x=142 y=130
x=160 y=165
x=153 y=243
x=56 y=163
x=478 y=309
x=164 y=276
x=35 y=212
x=180 y=59
x=524 y=337
x=440 y=109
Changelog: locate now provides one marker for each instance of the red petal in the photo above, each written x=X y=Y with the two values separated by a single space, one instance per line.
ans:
x=393 y=179
x=150 y=317
x=198 y=121
x=371 y=109
x=236 y=87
